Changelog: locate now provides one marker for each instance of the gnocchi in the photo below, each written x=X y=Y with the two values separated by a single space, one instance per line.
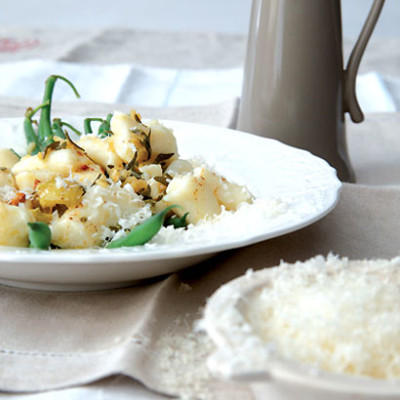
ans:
x=99 y=187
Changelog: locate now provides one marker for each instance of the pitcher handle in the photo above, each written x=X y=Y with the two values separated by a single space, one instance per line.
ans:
x=350 y=101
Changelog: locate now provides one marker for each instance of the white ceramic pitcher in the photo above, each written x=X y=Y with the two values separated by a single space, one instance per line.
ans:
x=295 y=87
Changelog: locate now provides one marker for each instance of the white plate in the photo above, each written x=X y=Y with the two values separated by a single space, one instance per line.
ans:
x=305 y=185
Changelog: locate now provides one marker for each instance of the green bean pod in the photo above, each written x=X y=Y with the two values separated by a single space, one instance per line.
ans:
x=58 y=123
x=77 y=131
x=142 y=233
x=57 y=129
x=87 y=124
x=104 y=128
x=32 y=140
x=39 y=235
x=177 y=222
x=45 y=132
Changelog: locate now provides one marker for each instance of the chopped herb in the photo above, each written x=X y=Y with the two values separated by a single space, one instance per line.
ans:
x=72 y=144
x=162 y=157
x=13 y=151
x=133 y=168
x=145 y=192
x=132 y=164
x=161 y=179
x=146 y=143
x=144 y=139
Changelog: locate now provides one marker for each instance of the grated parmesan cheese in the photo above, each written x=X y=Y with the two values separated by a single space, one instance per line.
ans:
x=180 y=361
x=7 y=193
x=337 y=315
x=61 y=182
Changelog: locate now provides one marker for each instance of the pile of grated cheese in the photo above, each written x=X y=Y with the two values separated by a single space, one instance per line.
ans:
x=337 y=315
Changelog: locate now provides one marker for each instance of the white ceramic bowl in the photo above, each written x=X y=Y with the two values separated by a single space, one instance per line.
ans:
x=242 y=356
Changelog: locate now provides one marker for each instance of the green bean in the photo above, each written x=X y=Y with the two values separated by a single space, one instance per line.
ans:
x=78 y=132
x=45 y=132
x=104 y=128
x=142 y=233
x=57 y=128
x=39 y=235
x=31 y=139
x=87 y=124
x=177 y=222
x=38 y=141
x=34 y=145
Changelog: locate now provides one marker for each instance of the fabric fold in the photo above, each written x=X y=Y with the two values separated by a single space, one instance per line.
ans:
x=144 y=86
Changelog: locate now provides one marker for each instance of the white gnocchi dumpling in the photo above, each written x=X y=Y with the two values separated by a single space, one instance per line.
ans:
x=8 y=158
x=202 y=193
x=14 y=225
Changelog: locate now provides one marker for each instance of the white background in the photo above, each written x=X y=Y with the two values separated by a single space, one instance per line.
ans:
x=227 y=16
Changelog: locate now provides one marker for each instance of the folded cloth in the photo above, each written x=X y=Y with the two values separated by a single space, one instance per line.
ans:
x=157 y=87
x=51 y=340
x=123 y=83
